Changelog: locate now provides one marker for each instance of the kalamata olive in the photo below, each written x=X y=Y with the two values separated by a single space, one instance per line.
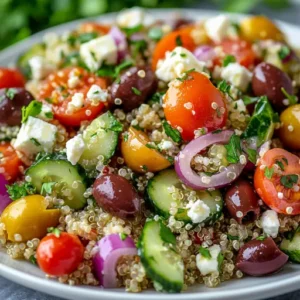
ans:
x=260 y=257
x=116 y=195
x=11 y=102
x=269 y=80
x=134 y=86
x=242 y=202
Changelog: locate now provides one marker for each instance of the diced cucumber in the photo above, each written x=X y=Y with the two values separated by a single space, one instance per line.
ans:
x=101 y=139
x=292 y=247
x=22 y=63
x=160 y=194
x=157 y=249
x=56 y=168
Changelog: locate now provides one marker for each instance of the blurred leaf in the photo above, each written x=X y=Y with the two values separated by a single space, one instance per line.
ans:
x=241 y=6
x=92 y=7
x=277 y=4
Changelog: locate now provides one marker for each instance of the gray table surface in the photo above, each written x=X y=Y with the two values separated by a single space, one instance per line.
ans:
x=12 y=291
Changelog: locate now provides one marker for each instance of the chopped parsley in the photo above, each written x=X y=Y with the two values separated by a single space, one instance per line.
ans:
x=123 y=236
x=54 y=231
x=155 y=33
x=136 y=91
x=186 y=75
x=47 y=188
x=269 y=172
x=250 y=100
x=234 y=149
x=224 y=87
x=204 y=252
x=156 y=98
x=284 y=52
x=173 y=133
x=228 y=60
x=33 y=109
x=145 y=168
x=217 y=131
x=261 y=238
x=280 y=164
x=292 y=98
x=252 y=155
x=49 y=115
x=112 y=71
x=35 y=142
x=125 y=136
x=139 y=47
x=115 y=126
x=220 y=260
x=289 y=180
x=178 y=41
x=232 y=237
x=151 y=146
x=10 y=93
x=19 y=190
x=32 y=259
x=132 y=30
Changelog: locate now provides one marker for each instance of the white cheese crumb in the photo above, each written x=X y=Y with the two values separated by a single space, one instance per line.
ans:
x=130 y=18
x=96 y=95
x=46 y=112
x=166 y=145
x=75 y=148
x=217 y=27
x=209 y=265
x=270 y=223
x=198 y=211
x=40 y=67
x=76 y=103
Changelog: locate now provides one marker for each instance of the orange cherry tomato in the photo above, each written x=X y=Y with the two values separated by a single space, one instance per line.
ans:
x=59 y=254
x=9 y=162
x=138 y=156
x=275 y=188
x=169 y=42
x=10 y=78
x=94 y=27
x=57 y=91
x=194 y=103
x=241 y=50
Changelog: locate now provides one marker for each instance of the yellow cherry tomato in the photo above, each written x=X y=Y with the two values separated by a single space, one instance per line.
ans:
x=260 y=28
x=28 y=218
x=140 y=158
x=289 y=131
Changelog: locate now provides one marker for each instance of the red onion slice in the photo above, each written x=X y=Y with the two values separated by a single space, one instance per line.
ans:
x=191 y=178
x=121 y=42
x=204 y=53
x=110 y=249
x=4 y=197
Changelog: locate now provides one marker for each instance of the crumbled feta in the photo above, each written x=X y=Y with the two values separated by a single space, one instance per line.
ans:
x=76 y=103
x=96 y=95
x=99 y=50
x=35 y=136
x=209 y=265
x=57 y=53
x=166 y=145
x=238 y=105
x=177 y=62
x=270 y=223
x=46 y=112
x=217 y=27
x=133 y=17
x=73 y=81
x=237 y=75
x=40 y=67
x=198 y=211
x=75 y=148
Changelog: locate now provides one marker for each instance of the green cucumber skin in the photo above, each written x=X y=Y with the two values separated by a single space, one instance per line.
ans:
x=62 y=162
x=167 y=286
x=292 y=248
x=294 y=255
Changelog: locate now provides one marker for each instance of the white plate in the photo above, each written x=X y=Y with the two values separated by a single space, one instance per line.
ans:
x=248 y=288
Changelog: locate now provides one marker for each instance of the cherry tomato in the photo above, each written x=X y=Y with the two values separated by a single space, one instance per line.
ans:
x=59 y=253
x=241 y=50
x=275 y=188
x=138 y=156
x=57 y=90
x=194 y=103
x=9 y=162
x=169 y=42
x=10 y=78
x=94 y=27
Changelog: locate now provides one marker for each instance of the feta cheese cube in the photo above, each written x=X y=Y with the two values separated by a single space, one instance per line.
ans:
x=217 y=27
x=166 y=145
x=46 y=112
x=96 y=95
x=76 y=103
x=40 y=67
x=75 y=148
x=237 y=75
x=98 y=51
x=35 y=136
x=133 y=17
x=209 y=265
x=270 y=223
x=198 y=211
x=177 y=63
x=57 y=53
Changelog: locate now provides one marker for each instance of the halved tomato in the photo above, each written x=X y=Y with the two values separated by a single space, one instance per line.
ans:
x=276 y=180
x=89 y=27
x=10 y=78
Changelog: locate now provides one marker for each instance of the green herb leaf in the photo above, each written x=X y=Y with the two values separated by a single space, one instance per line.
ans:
x=86 y=37
x=35 y=142
x=173 y=133
x=155 y=33
x=19 y=190
x=284 y=52
x=47 y=188
x=156 y=98
x=139 y=47
x=136 y=91
x=125 y=136
x=220 y=260
x=49 y=115
x=217 y=131
x=33 y=109
x=33 y=260
x=234 y=149
x=252 y=155
x=150 y=146
x=132 y=30
x=178 y=41
x=280 y=164
x=166 y=234
x=224 y=87
x=232 y=237
x=261 y=238
x=186 y=75
x=204 y=252
x=250 y=100
x=10 y=93
x=289 y=180
x=122 y=66
x=228 y=60
x=292 y=98
x=115 y=126
x=269 y=172
x=123 y=236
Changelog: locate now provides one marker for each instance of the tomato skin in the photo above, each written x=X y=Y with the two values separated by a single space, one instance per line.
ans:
x=59 y=255
x=10 y=78
x=10 y=162
x=168 y=43
x=88 y=27
x=56 y=88
x=200 y=93
x=268 y=189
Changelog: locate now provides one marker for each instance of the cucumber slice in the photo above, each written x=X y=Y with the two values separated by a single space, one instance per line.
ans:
x=159 y=257
x=292 y=247
x=56 y=168
x=101 y=139
x=160 y=197
x=22 y=63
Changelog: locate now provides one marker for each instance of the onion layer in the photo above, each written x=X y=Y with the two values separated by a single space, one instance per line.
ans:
x=4 y=197
x=204 y=53
x=121 y=42
x=202 y=182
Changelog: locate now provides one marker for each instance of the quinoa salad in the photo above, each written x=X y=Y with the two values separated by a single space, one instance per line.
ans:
x=153 y=153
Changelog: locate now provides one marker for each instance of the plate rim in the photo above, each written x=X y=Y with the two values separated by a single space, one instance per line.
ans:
x=62 y=290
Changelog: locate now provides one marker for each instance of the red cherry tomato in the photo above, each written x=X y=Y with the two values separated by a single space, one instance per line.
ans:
x=194 y=103
x=9 y=162
x=275 y=188
x=94 y=27
x=59 y=255
x=241 y=50
x=10 y=78
x=56 y=90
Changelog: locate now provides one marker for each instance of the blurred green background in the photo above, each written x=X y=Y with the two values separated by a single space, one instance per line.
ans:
x=21 y=18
